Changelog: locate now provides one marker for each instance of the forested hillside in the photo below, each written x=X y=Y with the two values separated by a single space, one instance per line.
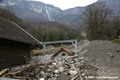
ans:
x=51 y=31
x=11 y=16
x=46 y=31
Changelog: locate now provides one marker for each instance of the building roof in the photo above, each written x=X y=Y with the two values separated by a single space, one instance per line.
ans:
x=10 y=30
x=69 y=52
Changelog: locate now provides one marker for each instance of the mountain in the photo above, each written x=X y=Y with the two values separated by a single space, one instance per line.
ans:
x=33 y=11
x=114 y=5
x=71 y=17
x=28 y=10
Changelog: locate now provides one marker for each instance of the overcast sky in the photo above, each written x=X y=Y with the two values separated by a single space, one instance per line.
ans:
x=65 y=4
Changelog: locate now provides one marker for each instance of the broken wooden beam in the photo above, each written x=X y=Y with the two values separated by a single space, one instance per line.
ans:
x=3 y=72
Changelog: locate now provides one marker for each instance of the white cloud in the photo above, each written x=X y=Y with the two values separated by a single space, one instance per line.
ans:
x=65 y=4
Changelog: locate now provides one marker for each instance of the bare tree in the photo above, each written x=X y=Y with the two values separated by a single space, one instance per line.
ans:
x=95 y=17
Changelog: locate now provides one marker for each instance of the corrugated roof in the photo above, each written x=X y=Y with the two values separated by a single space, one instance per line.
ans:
x=10 y=30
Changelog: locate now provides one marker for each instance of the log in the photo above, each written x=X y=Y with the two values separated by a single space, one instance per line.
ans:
x=74 y=78
x=19 y=77
x=80 y=74
x=3 y=72
x=20 y=71
x=17 y=72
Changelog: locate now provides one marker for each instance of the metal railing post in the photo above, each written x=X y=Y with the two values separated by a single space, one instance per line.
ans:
x=76 y=46
x=44 y=49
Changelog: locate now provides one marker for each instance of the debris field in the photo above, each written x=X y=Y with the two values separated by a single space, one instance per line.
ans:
x=95 y=58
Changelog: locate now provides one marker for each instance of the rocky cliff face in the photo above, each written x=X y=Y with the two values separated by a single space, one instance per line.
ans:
x=33 y=11
x=70 y=17
x=30 y=10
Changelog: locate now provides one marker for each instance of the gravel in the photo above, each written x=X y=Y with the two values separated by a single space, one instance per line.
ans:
x=105 y=55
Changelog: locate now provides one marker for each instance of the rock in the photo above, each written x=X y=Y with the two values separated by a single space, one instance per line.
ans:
x=60 y=69
x=41 y=79
x=56 y=71
x=111 y=55
x=48 y=75
x=73 y=72
x=56 y=75
x=118 y=50
x=83 y=74
x=82 y=58
x=49 y=70
x=72 y=66
x=54 y=64
x=53 y=78
x=42 y=72
x=60 y=63
x=63 y=77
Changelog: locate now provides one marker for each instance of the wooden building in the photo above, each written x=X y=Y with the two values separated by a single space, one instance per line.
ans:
x=15 y=44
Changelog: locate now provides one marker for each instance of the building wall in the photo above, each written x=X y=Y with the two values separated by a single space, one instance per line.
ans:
x=12 y=53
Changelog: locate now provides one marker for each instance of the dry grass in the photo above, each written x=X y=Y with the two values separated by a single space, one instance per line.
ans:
x=34 y=52
x=116 y=40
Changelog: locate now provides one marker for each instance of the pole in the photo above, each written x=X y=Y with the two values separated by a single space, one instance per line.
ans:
x=44 y=49
x=76 y=46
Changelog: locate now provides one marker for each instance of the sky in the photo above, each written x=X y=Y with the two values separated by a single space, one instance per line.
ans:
x=65 y=4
